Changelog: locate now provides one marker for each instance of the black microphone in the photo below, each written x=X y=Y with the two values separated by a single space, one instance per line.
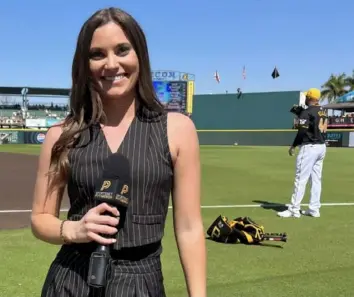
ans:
x=114 y=189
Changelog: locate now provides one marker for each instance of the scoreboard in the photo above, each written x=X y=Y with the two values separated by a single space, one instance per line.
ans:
x=172 y=94
x=174 y=90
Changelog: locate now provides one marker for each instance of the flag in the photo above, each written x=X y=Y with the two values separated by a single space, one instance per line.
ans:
x=216 y=76
x=244 y=72
x=275 y=73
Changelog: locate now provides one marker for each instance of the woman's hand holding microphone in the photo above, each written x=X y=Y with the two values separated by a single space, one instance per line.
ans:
x=92 y=224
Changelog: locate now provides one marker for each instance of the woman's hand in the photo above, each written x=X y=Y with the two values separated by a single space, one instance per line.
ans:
x=92 y=225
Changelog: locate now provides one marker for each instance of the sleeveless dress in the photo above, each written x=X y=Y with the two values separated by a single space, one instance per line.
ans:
x=135 y=269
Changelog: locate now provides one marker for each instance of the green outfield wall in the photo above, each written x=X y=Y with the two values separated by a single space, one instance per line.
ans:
x=337 y=138
x=249 y=111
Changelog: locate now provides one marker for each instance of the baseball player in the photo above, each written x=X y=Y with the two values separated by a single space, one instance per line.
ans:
x=310 y=138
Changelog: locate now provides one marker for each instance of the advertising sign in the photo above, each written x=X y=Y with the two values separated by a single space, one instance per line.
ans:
x=351 y=139
x=168 y=75
x=50 y=122
x=8 y=136
x=32 y=137
x=35 y=123
x=334 y=139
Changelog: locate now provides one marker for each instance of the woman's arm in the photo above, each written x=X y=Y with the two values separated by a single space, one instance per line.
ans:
x=188 y=224
x=45 y=221
x=46 y=208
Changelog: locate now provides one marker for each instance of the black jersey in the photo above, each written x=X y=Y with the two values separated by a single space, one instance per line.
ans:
x=312 y=126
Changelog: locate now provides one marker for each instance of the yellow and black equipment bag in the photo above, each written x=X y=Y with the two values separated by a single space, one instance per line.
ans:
x=241 y=230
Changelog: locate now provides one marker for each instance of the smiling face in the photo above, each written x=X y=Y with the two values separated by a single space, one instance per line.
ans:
x=114 y=64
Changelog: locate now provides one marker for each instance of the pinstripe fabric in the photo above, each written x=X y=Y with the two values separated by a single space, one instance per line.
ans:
x=135 y=269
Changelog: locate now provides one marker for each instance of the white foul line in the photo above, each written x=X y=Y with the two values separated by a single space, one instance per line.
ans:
x=272 y=204
x=207 y=206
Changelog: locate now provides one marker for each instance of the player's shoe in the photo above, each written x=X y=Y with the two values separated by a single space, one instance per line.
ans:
x=314 y=214
x=288 y=214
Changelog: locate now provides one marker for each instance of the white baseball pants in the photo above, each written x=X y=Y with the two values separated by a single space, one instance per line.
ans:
x=309 y=164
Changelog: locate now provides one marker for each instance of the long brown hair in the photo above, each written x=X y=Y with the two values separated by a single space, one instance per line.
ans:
x=86 y=107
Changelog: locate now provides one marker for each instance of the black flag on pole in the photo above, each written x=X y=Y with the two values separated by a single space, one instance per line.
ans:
x=275 y=73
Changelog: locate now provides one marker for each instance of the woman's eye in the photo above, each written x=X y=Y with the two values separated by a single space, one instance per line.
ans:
x=96 y=55
x=123 y=50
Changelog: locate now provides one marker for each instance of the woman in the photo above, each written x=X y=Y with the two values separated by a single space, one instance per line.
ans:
x=114 y=109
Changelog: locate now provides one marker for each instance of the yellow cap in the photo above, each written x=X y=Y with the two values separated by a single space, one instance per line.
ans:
x=313 y=93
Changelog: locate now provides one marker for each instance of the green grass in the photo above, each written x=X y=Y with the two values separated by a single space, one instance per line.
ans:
x=316 y=261
x=28 y=149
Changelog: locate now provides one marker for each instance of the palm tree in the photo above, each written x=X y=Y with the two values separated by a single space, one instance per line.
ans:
x=350 y=82
x=334 y=87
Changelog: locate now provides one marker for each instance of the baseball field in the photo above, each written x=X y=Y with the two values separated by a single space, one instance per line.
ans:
x=317 y=260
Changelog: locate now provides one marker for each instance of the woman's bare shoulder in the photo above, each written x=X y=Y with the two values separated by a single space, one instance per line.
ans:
x=178 y=122
x=54 y=132
x=182 y=134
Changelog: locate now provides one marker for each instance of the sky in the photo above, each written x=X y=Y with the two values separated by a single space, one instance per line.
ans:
x=307 y=40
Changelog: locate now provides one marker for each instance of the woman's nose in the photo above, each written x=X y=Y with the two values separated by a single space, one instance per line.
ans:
x=112 y=62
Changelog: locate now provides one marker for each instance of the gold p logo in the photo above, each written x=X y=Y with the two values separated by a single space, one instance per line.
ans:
x=106 y=184
x=215 y=233
x=124 y=190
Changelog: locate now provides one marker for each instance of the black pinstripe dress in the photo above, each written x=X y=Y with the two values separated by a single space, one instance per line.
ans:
x=135 y=270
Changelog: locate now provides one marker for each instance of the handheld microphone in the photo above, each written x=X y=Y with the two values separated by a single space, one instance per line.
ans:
x=114 y=189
